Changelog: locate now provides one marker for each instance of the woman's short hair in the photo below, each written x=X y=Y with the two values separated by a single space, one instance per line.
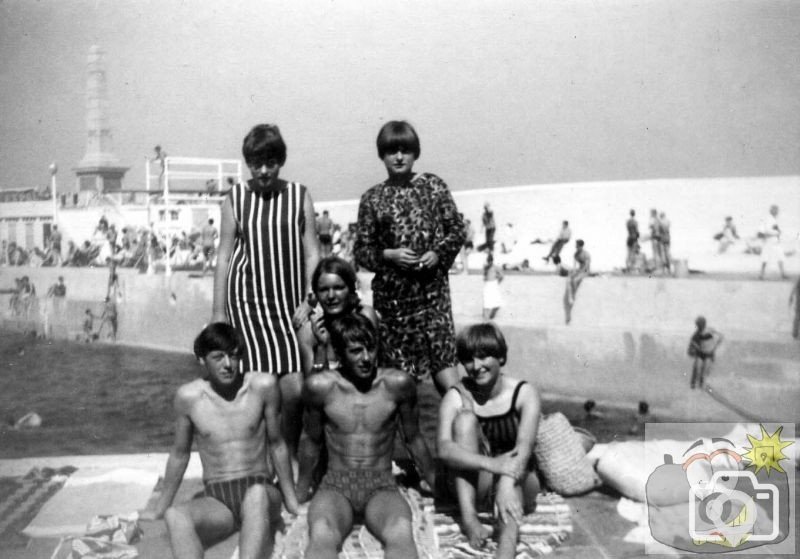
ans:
x=340 y=267
x=262 y=143
x=217 y=336
x=352 y=328
x=397 y=134
x=481 y=340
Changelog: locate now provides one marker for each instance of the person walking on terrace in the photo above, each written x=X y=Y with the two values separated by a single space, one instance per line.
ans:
x=632 y=241
x=771 y=251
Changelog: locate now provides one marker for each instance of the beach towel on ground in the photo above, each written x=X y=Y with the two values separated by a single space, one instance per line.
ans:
x=107 y=537
x=91 y=492
x=21 y=497
x=437 y=534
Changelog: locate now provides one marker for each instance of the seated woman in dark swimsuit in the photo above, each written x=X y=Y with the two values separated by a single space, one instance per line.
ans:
x=487 y=427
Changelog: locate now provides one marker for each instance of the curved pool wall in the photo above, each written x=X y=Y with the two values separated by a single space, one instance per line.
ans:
x=626 y=342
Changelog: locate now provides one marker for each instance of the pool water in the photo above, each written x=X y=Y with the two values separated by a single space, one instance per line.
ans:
x=111 y=399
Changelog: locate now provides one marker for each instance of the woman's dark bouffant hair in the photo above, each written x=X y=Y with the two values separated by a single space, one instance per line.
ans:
x=481 y=340
x=340 y=267
x=397 y=134
x=264 y=142
x=217 y=336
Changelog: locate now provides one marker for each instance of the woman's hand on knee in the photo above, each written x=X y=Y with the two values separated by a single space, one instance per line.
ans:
x=508 y=502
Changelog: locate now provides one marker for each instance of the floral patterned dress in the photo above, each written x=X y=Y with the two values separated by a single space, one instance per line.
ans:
x=416 y=326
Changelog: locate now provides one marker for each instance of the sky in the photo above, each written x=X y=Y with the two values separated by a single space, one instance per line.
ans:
x=501 y=93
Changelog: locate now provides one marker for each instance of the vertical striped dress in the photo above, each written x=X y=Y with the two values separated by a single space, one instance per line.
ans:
x=265 y=276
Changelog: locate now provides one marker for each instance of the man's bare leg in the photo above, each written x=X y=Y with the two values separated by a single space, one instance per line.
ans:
x=465 y=433
x=291 y=412
x=261 y=509
x=388 y=516
x=198 y=524
x=330 y=519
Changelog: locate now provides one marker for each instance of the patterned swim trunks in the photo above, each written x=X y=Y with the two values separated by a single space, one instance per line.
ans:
x=358 y=486
x=231 y=493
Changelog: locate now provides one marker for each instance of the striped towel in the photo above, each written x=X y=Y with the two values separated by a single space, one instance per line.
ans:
x=22 y=497
x=540 y=532
x=437 y=534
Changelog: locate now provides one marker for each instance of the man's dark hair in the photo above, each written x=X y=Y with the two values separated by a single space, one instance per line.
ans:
x=217 y=336
x=352 y=328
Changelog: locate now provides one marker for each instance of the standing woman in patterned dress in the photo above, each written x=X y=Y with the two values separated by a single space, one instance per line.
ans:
x=267 y=251
x=409 y=233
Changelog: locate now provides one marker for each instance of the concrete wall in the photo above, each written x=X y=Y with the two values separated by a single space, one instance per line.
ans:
x=627 y=341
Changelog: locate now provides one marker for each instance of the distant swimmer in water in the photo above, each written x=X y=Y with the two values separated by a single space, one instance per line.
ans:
x=702 y=345
x=236 y=419
x=30 y=420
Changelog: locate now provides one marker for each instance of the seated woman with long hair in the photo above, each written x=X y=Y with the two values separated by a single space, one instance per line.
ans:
x=334 y=284
x=487 y=427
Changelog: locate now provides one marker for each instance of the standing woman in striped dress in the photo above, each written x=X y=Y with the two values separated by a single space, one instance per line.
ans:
x=268 y=249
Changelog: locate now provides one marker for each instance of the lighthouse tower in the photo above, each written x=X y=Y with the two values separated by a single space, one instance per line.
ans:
x=99 y=172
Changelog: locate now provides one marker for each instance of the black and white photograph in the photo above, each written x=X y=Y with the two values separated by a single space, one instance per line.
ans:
x=446 y=280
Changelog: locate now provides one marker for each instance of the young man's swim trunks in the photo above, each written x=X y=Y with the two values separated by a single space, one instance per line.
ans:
x=358 y=486
x=231 y=493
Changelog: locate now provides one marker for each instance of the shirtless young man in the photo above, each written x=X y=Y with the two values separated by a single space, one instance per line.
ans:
x=235 y=418
x=360 y=404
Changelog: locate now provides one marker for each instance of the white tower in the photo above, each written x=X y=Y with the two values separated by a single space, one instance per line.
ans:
x=99 y=171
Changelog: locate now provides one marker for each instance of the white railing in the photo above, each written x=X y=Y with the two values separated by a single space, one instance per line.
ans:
x=173 y=170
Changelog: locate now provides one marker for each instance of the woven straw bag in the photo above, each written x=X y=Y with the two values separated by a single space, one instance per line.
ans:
x=561 y=457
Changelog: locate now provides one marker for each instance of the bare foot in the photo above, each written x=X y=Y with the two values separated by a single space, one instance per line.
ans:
x=475 y=531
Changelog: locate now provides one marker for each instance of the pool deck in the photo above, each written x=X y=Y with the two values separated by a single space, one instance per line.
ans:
x=599 y=532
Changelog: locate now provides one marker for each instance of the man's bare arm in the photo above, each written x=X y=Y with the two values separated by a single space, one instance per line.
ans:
x=311 y=439
x=178 y=457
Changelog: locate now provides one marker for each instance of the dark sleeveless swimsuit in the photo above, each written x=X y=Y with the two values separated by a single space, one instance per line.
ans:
x=499 y=431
